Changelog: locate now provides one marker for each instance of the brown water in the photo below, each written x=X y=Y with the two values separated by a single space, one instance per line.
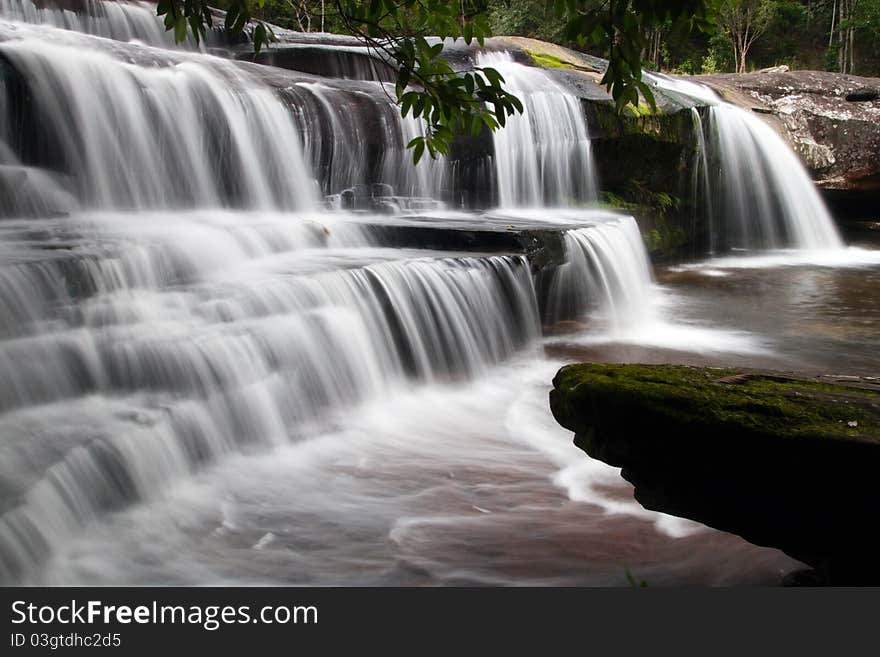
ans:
x=492 y=494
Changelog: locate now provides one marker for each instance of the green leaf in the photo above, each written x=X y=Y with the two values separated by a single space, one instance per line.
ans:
x=180 y=29
x=468 y=33
x=198 y=28
x=418 y=150
x=260 y=37
x=476 y=125
x=231 y=15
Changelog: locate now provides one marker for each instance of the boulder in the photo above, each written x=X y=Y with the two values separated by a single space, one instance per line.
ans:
x=782 y=460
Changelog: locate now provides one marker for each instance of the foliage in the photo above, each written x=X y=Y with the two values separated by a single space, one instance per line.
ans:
x=687 y=67
x=709 y=65
x=744 y=21
x=624 y=25
x=831 y=61
x=402 y=32
x=451 y=102
x=665 y=236
x=536 y=19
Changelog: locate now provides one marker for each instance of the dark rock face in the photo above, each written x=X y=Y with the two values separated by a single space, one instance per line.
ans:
x=335 y=61
x=831 y=120
x=783 y=461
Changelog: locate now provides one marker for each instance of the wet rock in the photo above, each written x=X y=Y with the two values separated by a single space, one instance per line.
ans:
x=381 y=190
x=347 y=62
x=782 y=460
x=29 y=192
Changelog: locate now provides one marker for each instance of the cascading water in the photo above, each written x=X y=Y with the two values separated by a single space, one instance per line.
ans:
x=121 y=21
x=187 y=132
x=768 y=199
x=179 y=339
x=608 y=270
x=756 y=190
x=543 y=156
x=178 y=310
x=354 y=136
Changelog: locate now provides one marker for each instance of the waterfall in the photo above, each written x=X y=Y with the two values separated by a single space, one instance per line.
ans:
x=542 y=157
x=355 y=136
x=192 y=264
x=755 y=187
x=606 y=270
x=121 y=21
x=188 y=132
x=766 y=196
x=700 y=183
x=179 y=338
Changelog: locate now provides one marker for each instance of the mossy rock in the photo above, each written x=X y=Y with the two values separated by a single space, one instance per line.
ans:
x=545 y=60
x=773 y=404
x=783 y=460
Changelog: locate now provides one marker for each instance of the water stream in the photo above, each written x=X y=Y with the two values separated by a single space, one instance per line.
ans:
x=219 y=367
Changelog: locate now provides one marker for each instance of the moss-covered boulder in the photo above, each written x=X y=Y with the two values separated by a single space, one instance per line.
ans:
x=782 y=460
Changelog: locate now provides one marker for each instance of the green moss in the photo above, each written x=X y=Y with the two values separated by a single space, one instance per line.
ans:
x=665 y=239
x=611 y=201
x=753 y=403
x=546 y=60
x=674 y=127
x=662 y=237
x=640 y=110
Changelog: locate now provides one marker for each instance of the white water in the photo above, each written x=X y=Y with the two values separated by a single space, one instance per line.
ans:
x=198 y=131
x=211 y=380
x=607 y=269
x=403 y=492
x=344 y=124
x=121 y=21
x=541 y=162
x=755 y=184
x=188 y=338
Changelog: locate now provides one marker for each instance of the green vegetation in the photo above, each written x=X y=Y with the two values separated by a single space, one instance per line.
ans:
x=746 y=35
x=663 y=237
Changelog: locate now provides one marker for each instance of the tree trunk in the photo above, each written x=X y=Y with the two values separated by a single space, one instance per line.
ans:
x=833 y=17
x=655 y=50
x=852 y=38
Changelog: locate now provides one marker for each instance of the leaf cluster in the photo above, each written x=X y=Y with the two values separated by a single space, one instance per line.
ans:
x=623 y=27
x=412 y=34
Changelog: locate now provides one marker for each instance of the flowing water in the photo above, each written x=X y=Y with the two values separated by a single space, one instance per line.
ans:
x=541 y=162
x=121 y=21
x=214 y=373
x=757 y=191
